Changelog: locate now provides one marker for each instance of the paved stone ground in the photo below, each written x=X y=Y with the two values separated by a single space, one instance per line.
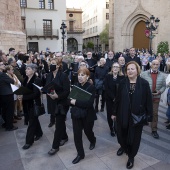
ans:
x=154 y=154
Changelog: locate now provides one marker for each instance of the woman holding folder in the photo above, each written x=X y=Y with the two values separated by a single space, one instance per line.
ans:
x=85 y=122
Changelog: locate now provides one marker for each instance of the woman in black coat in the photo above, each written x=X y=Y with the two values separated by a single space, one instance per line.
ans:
x=111 y=83
x=34 y=131
x=57 y=103
x=86 y=122
x=133 y=96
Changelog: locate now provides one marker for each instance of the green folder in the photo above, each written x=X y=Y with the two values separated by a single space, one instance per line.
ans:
x=79 y=94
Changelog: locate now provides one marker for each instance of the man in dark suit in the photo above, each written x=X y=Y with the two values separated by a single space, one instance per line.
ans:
x=6 y=98
x=132 y=56
x=91 y=62
x=110 y=60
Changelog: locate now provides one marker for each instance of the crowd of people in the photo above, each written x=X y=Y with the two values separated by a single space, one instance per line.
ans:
x=128 y=84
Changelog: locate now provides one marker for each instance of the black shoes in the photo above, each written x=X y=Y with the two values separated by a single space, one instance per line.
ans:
x=112 y=133
x=53 y=151
x=13 y=128
x=17 y=118
x=77 y=159
x=51 y=124
x=130 y=163
x=120 y=151
x=26 y=146
x=168 y=127
x=37 y=138
x=92 y=145
x=62 y=142
x=167 y=122
x=155 y=134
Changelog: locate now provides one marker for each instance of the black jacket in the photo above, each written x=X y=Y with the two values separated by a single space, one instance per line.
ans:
x=63 y=82
x=91 y=115
x=141 y=101
x=136 y=59
x=5 y=87
x=101 y=72
x=28 y=100
x=109 y=63
x=111 y=86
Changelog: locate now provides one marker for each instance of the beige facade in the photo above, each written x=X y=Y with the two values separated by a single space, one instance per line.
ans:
x=128 y=13
x=74 y=29
x=42 y=24
x=111 y=24
x=95 y=18
x=11 y=34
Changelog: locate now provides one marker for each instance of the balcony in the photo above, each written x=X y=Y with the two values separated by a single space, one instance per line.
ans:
x=75 y=31
x=40 y=33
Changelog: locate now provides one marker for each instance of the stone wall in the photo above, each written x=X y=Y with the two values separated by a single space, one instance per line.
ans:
x=127 y=13
x=10 y=26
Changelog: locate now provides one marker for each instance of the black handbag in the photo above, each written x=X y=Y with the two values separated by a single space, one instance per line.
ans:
x=39 y=110
x=139 y=119
x=78 y=113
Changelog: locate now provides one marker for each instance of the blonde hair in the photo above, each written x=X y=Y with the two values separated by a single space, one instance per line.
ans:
x=120 y=73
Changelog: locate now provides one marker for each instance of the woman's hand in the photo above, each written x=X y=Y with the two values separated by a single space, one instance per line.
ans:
x=53 y=96
x=113 y=117
x=73 y=101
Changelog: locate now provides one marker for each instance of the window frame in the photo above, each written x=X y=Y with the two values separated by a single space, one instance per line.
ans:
x=41 y=4
x=50 y=4
x=47 y=28
x=23 y=4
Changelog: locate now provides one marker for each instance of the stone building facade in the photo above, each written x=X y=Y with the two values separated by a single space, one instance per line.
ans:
x=130 y=14
x=42 y=21
x=74 y=30
x=11 y=34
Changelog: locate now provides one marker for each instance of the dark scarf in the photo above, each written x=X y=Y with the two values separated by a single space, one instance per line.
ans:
x=127 y=106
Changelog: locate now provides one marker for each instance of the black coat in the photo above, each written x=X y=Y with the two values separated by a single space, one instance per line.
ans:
x=111 y=86
x=136 y=59
x=91 y=115
x=109 y=63
x=141 y=102
x=61 y=80
x=28 y=100
x=5 y=81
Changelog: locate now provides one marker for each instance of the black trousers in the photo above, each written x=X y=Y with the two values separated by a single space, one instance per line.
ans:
x=78 y=126
x=34 y=128
x=122 y=135
x=7 y=104
x=97 y=99
x=109 y=108
x=60 y=131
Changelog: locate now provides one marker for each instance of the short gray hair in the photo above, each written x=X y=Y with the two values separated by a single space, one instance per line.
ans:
x=32 y=66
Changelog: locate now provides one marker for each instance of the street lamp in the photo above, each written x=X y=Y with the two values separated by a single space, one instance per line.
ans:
x=97 y=36
x=63 y=31
x=151 y=25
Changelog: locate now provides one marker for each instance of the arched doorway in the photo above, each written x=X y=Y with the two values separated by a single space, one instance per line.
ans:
x=139 y=38
x=72 y=45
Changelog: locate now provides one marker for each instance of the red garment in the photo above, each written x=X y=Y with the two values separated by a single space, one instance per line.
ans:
x=154 y=78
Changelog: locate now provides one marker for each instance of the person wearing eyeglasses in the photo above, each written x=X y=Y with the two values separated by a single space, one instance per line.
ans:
x=111 y=83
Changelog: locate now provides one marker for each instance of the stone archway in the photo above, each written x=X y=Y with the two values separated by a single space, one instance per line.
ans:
x=127 y=33
x=72 y=45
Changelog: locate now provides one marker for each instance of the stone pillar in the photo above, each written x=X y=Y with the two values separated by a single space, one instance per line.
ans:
x=11 y=34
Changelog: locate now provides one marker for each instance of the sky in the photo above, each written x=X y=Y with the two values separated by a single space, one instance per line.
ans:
x=73 y=3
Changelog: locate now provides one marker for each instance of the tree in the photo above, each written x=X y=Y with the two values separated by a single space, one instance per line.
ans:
x=104 y=35
x=90 y=45
x=163 y=47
